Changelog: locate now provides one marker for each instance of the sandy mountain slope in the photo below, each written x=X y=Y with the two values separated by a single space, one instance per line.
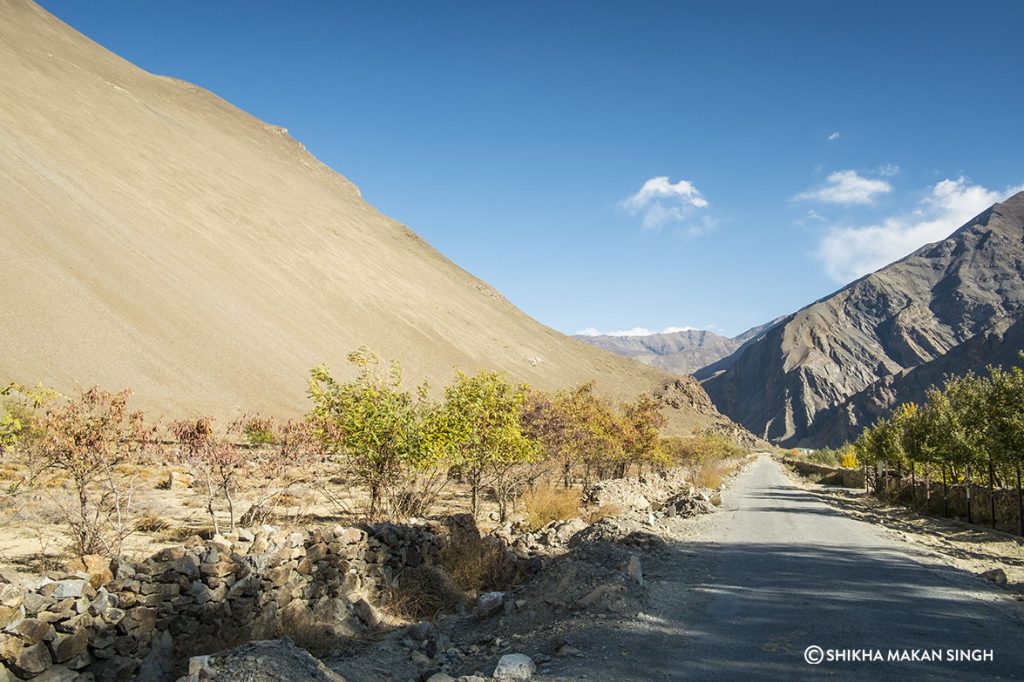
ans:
x=907 y=314
x=154 y=236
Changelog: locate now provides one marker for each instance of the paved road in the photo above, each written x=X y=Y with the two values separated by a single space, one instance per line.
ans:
x=779 y=570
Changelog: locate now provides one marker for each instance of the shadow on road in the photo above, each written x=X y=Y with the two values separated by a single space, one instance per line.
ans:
x=756 y=607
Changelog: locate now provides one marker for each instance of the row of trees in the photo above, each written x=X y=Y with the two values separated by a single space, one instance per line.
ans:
x=401 y=446
x=971 y=430
x=486 y=432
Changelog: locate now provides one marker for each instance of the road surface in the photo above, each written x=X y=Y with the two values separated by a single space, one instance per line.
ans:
x=778 y=570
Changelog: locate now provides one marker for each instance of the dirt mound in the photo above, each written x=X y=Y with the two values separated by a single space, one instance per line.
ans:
x=268 y=660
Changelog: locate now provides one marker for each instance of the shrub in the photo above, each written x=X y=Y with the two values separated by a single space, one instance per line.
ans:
x=151 y=523
x=546 y=503
x=476 y=564
x=711 y=475
x=422 y=592
x=211 y=460
x=87 y=439
x=256 y=430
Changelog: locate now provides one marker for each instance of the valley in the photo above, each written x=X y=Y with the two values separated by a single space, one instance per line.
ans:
x=254 y=428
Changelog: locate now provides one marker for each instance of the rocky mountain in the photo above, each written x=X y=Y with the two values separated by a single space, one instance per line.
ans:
x=999 y=345
x=157 y=237
x=904 y=316
x=681 y=352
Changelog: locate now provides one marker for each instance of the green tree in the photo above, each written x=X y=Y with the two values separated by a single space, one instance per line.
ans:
x=375 y=424
x=642 y=422
x=483 y=430
x=19 y=407
x=1005 y=432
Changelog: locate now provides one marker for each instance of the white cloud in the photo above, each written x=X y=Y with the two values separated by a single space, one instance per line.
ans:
x=888 y=170
x=850 y=252
x=661 y=202
x=635 y=331
x=834 y=136
x=846 y=187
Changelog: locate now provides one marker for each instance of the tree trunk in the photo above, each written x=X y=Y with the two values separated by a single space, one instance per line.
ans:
x=967 y=481
x=474 y=490
x=992 y=490
x=899 y=480
x=1020 y=505
x=945 y=493
x=209 y=506
x=913 y=487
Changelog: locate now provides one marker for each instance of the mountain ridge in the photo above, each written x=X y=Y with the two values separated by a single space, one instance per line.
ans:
x=906 y=314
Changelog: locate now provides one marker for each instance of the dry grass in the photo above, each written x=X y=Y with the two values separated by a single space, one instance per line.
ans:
x=475 y=565
x=289 y=500
x=422 y=592
x=604 y=511
x=547 y=502
x=151 y=523
x=712 y=474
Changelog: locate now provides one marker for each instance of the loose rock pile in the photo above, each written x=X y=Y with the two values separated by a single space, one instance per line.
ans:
x=638 y=493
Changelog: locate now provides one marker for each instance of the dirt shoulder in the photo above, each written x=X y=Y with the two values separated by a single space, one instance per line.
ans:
x=968 y=547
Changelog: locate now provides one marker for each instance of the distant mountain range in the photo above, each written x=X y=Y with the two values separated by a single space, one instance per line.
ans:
x=681 y=352
x=818 y=376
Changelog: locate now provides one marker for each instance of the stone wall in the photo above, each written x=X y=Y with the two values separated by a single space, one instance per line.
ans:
x=929 y=499
x=925 y=497
x=140 y=621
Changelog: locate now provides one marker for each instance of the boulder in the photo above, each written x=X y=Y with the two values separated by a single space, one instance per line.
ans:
x=996 y=575
x=514 y=667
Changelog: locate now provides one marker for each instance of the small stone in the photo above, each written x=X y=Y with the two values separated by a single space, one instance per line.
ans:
x=996 y=575
x=33 y=630
x=514 y=667
x=365 y=612
x=635 y=571
x=31 y=661
x=187 y=565
x=200 y=592
x=69 y=588
x=96 y=566
x=569 y=650
x=420 y=631
x=440 y=677
x=349 y=536
x=66 y=647
x=489 y=603
x=420 y=658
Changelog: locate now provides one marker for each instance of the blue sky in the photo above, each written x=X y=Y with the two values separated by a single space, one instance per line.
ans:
x=612 y=166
